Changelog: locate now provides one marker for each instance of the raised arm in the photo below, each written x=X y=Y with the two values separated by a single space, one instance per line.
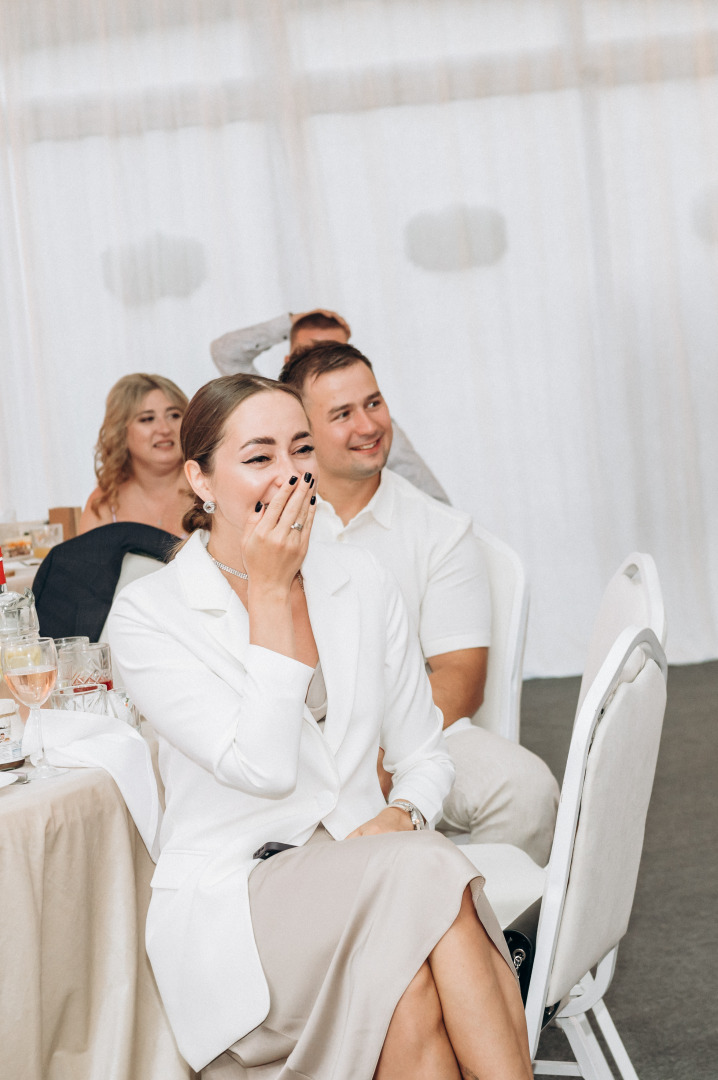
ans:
x=228 y=721
x=403 y=459
x=230 y=718
x=236 y=351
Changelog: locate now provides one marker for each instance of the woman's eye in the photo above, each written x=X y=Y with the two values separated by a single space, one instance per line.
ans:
x=259 y=459
x=305 y=450
x=146 y=419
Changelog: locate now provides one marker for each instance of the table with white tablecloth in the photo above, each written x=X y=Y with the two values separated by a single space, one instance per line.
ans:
x=78 y=1000
x=20 y=573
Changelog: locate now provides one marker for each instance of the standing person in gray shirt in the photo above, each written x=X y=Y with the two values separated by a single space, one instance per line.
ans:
x=236 y=352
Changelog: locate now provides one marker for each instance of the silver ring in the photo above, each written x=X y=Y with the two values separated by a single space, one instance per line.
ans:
x=297 y=525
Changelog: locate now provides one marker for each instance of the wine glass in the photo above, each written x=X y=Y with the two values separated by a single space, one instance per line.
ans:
x=30 y=670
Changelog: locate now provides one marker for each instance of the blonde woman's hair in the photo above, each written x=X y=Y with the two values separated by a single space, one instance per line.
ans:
x=113 y=464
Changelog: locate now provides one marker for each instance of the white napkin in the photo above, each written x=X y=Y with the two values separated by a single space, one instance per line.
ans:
x=84 y=739
x=7 y=779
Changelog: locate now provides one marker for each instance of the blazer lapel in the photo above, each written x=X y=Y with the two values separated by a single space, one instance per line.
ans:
x=333 y=611
x=334 y=614
x=220 y=612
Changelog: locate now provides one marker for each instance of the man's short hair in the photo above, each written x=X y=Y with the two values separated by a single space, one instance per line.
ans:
x=315 y=320
x=316 y=360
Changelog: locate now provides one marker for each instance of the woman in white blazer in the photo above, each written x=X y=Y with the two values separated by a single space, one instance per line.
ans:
x=272 y=671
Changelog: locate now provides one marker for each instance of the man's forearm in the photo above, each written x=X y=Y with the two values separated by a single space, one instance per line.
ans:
x=451 y=700
x=236 y=351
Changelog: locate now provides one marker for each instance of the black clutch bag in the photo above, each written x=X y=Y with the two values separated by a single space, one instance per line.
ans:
x=521 y=941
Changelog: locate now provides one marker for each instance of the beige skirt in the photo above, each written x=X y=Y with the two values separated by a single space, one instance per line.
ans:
x=341 y=929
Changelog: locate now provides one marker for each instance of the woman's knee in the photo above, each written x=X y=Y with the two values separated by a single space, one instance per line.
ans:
x=418 y=1012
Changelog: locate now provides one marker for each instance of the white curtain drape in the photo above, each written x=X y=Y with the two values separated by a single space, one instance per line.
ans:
x=514 y=203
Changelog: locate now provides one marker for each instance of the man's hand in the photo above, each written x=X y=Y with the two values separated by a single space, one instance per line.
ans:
x=323 y=311
x=390 y=820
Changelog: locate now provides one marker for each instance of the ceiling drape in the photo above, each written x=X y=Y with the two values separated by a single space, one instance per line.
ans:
x=513 y=202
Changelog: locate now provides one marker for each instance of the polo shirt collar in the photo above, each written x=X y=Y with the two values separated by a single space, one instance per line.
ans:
x=380 y=506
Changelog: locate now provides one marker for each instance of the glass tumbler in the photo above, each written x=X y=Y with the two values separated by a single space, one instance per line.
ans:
x=85 y=665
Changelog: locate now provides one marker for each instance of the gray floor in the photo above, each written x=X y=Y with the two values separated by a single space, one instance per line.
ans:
x=664 y=999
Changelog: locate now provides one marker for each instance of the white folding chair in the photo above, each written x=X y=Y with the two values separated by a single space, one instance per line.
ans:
x=633 y=597
x=500 y=710
x=588 y=886
x=134 y=566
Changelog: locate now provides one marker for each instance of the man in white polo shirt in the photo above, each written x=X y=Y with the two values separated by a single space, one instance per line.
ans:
x=236 y=352
x=502 y=792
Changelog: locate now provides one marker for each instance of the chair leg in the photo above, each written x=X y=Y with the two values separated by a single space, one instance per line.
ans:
x=586 y=1048
x=556 y=1068
x=614 y=1042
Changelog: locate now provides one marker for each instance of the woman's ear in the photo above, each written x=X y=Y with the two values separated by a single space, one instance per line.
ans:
x=197 y=480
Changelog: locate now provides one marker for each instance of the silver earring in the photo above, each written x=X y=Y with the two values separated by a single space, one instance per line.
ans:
x=209 y=507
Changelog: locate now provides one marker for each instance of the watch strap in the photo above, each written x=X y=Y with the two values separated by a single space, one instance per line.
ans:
x=417 y=818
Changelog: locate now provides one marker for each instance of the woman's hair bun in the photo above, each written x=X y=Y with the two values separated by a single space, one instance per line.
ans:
x=196 y=517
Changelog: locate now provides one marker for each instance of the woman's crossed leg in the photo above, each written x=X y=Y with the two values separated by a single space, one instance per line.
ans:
x=461 y=1016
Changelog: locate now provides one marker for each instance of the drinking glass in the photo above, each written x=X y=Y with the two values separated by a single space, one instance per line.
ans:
x=91 y=699
x=66 y=663
x=30 y=670
x=44 y=538
x=18 y=615
x=85 y=665
x=98 y=700
x=77 y=639
x=125 y=709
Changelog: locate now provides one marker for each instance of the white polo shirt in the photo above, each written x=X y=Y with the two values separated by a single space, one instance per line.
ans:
x=432 y=551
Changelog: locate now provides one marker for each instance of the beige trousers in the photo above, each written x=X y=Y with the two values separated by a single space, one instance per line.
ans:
x=502 y=794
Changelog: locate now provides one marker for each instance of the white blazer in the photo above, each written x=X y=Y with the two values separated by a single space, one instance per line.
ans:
x=244 y=762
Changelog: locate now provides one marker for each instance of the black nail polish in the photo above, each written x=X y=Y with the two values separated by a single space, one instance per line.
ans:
x=312 y=484
x=313 y=500
x=292 y=479
x=307 y=477
x=258 y=507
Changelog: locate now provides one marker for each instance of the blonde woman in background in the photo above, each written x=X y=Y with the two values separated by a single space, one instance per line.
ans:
x=138 y=459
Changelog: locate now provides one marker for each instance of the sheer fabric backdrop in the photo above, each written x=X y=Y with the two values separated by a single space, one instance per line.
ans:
x=514 y=203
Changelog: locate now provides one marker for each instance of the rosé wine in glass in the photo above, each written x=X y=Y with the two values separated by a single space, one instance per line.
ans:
x=31 y=686
x=29 y=666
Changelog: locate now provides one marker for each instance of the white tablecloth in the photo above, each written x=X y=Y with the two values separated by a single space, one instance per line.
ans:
x=19 y=576
x=78 y=1000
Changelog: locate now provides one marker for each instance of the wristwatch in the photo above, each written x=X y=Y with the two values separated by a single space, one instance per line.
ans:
x=417 y=818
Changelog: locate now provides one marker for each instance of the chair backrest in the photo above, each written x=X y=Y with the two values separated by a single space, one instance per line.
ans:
x=134 y=566
x=75 y=584
x=591 y=875
x=633 y=597
x=501 y=707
